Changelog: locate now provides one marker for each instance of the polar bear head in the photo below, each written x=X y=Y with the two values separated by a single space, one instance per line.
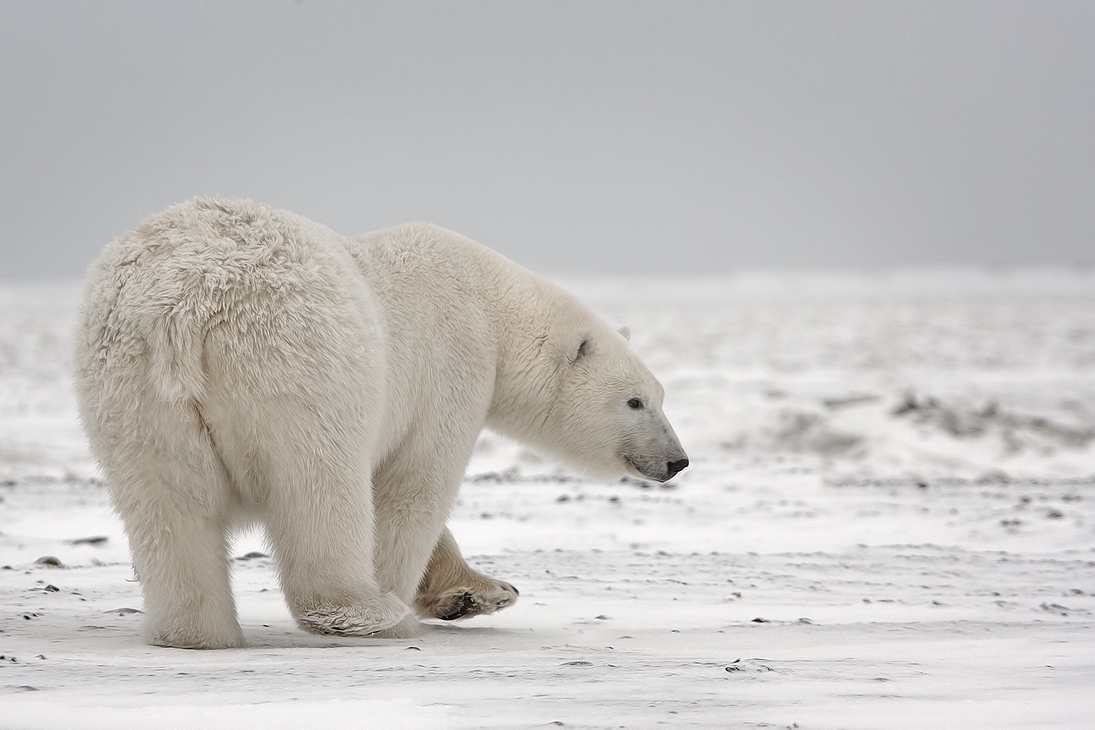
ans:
x=571 y=386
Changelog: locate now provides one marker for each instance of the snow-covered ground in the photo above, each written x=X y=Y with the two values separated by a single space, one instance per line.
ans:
x=889 y=521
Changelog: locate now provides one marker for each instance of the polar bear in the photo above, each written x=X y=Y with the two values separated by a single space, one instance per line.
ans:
x=239 y=364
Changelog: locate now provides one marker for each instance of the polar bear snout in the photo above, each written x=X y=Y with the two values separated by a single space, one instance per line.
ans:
x=657 y=469
x=651 y=449
x=673 y=468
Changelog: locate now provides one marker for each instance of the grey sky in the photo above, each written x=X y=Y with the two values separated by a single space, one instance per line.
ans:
x=575 y=137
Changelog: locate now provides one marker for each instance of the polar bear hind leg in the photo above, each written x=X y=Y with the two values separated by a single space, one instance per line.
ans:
x=169 y=491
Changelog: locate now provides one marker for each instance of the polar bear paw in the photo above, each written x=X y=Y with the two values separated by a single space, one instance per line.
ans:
x=363 y=619
x=192 y=637
x=483 y=597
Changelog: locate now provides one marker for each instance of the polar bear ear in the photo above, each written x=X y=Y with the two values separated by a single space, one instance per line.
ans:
x=626 y=332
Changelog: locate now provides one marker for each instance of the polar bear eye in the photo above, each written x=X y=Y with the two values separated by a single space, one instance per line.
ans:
x=635 y=404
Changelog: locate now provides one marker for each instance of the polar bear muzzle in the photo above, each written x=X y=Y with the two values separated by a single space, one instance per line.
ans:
x=656 y=469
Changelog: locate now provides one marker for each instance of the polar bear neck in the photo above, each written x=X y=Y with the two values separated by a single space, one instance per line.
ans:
x=514 y=315
x=538 y=329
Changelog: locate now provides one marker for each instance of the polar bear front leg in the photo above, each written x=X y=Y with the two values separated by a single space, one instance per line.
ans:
x=451 y=589
x=413 y=495
x=323 y=536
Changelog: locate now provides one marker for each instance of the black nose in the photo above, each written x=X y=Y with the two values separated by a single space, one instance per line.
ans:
x=674 y=468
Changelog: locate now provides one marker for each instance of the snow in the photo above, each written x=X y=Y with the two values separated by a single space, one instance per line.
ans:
x=889 y=521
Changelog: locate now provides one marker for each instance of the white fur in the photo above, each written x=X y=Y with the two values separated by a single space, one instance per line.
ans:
x=238 y=363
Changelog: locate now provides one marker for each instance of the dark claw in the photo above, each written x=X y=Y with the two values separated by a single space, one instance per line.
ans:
x=464 y=604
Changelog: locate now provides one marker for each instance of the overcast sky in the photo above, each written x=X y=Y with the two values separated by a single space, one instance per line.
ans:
x=575 y=137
